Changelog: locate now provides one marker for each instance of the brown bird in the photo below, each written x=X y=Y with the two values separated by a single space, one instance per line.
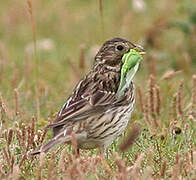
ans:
x=93 y=111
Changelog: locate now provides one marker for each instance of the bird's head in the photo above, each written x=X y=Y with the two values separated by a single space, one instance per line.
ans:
x=111 y=53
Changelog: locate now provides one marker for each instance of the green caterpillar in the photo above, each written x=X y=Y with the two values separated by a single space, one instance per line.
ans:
x=131 y=61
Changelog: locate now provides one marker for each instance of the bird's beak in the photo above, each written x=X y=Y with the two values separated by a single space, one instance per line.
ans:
x=143 y=53
x=138 y=48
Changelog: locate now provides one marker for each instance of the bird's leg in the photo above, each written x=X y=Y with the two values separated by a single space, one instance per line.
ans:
x=104 y=156
x=104 y=152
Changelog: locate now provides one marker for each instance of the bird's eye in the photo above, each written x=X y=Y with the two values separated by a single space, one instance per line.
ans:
x=120 y=47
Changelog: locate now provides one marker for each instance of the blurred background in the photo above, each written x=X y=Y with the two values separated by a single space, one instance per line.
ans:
x=68 y=34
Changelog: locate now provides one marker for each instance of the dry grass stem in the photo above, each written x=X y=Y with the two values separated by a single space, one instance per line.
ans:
x=74 y=145
x=16 y=172
x=61 y=164
x=170 y=74
x=51 y=170
x=163 y=169
x=6 y=156
x=174 y=107
x=151 y=102
x=152 y=66
x=41 y=164
x=30 y=10
x=101 y=16
x=129 y=140
x=23 y=158
x=82 y=58
x=147 y=174
x=122 y=169
x=10 y=136
x=179 y=98
x=16 y=101
x=33 y=25
x=4 y=109
x=3 y=60
x=158 y=100
x=155 y=31
x=194 y=93
x=151 y=95
x=140 y=97
x=135 y=170
x=74 y=69
x=147 y=112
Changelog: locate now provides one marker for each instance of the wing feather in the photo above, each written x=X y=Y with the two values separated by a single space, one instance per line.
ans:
x=82 y=109
x=87 y=100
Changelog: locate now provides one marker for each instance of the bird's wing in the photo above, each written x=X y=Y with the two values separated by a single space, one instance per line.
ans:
x=87 y=106
x=89 y=103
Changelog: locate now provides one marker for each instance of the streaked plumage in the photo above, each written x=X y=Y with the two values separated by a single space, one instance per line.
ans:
x=93 y=111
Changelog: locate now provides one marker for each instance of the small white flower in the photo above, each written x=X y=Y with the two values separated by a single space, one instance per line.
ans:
x=139 y=5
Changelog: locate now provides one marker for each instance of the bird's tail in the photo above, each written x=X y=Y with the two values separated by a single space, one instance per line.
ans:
x=61 y=137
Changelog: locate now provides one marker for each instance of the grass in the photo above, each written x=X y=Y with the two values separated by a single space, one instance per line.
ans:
x=160 y=141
